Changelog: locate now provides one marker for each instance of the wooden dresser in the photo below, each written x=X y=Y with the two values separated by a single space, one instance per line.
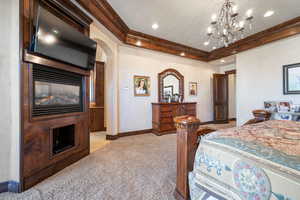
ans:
x=163 y=115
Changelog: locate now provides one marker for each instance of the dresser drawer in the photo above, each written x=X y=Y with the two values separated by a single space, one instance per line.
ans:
x=166 y=120
x=166 y=114
x=190 y=106
x=167 y=108
x=191 y=112
x=167 y=127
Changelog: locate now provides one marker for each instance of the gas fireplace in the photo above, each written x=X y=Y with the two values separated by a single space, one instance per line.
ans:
x=56 y=91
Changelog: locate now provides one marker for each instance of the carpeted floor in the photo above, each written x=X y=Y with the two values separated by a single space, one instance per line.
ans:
x=137 y=168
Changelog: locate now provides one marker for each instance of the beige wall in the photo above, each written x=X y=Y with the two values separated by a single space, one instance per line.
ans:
x=136 y=112
x=108 y=47
x=9 y=84
x=259 y=75
x=123 y=62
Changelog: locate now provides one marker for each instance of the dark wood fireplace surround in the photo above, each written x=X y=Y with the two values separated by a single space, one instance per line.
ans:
x=39 y=158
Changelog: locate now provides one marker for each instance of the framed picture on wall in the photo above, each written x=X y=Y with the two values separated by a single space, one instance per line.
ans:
x=141 y=85
x=291 y=79
x=193 y=89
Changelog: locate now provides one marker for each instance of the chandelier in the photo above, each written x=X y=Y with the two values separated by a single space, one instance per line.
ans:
x=228 y=27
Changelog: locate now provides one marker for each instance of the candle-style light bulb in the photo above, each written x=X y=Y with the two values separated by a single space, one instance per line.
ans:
x=249 y=13
x=241 y=24
x=234 y=9
x=214 y=18
x=209 y=30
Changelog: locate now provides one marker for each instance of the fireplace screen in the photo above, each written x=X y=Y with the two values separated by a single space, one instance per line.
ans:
x=56 y=94
x=56 y=91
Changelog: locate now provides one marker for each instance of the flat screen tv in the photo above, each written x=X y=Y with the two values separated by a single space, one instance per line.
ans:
x=58 y=40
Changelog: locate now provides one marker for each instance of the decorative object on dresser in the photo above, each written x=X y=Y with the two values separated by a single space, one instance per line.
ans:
x=163 y=115
x=54 y=92
x=193 y=90
x=141 y=85
x=97 y=98
x=291 y=79
x=170 y=78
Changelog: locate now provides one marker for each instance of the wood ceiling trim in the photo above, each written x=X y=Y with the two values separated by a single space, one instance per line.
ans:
x=162 y=45
x=278 y=32
x=107 y=16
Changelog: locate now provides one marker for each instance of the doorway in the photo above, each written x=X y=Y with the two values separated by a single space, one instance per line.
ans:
x=224 y=97
x=97 y=110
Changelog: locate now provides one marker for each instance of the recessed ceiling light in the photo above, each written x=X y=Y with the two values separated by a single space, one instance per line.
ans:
x=182 y=54
x=155 y=26
x=206 y=43
x=214 y=48
x=55 y=31
x=269 y=13
x=138 y=43
x=222 y=61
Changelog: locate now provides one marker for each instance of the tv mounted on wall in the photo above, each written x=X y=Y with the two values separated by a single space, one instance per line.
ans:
x=58 y=40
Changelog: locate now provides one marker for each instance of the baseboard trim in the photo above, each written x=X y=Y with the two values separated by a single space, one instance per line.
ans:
x=10 y=186
x=208 y=122
x=112 y=137
x=129 y=133
x=140 y=132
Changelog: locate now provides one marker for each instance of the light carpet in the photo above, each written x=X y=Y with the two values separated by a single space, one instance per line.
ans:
x=139 y=167
x=136 y=168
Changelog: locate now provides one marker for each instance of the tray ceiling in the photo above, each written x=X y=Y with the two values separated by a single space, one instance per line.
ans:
x=186 y=21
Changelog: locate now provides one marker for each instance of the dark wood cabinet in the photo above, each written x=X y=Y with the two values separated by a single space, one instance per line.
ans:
x=163 y=115
x=97 y=119
x=97 y=106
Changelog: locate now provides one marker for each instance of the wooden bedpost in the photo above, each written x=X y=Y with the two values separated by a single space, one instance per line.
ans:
x=187 y=127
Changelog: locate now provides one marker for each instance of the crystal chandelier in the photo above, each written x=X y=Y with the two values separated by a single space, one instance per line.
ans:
x=227 y=27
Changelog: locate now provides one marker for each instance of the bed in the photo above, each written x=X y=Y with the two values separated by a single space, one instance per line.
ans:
x=253 y=162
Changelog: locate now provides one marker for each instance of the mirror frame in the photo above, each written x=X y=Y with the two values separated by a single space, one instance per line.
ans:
x=161 y=77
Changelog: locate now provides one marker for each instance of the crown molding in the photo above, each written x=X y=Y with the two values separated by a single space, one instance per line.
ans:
x=166 y=46
x=107 y=16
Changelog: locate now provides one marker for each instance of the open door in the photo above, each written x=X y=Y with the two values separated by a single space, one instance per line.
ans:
x=220 y=98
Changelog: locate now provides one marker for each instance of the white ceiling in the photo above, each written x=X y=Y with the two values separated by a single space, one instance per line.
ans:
x=186 y=21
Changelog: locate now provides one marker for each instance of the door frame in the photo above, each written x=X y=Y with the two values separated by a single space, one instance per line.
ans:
x=228 y=73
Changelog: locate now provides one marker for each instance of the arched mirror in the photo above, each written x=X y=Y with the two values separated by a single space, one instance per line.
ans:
x=171 y=87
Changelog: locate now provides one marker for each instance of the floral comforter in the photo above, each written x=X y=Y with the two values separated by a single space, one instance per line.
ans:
x=253 y=162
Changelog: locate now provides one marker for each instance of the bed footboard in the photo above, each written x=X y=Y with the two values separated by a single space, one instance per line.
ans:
x=187 y=143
